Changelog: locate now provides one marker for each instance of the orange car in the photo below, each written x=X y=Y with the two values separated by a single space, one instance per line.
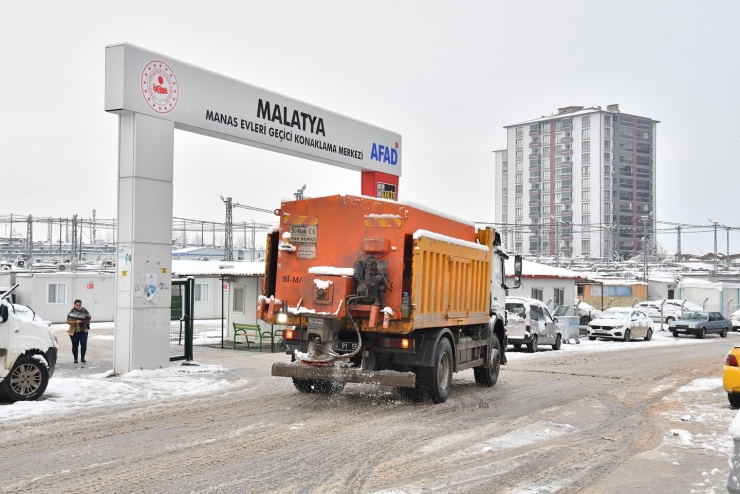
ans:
x=731 y=376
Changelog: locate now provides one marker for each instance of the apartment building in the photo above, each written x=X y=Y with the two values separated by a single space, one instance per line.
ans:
x=578 y=183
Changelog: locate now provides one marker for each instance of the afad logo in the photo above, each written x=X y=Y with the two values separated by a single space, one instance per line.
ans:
x=384 y=154
x=159 y=86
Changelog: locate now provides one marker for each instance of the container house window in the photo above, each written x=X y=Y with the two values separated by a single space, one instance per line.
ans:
x=57 y=293
x=239 y=299
x=201 y=292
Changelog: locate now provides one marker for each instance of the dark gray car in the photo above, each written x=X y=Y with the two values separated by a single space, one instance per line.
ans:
x=701 y=323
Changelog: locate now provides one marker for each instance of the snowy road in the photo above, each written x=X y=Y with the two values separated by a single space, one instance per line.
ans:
x=602 y=417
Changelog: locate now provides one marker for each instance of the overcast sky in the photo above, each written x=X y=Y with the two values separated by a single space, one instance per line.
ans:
x=446 y=76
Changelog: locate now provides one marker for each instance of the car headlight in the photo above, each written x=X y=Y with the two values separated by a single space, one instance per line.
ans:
x=692 y=326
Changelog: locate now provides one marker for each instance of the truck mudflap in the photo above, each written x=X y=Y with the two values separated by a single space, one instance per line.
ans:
x=344 y=374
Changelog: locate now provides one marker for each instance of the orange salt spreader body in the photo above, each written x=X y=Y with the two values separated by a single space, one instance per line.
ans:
x=368 y=289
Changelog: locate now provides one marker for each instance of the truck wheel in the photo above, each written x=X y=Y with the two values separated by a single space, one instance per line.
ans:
x=303 y=385
x=488 y=376
x=438 y=379
x=558 y=343
x=27 y=380
x=328 y=387
x=532 y=346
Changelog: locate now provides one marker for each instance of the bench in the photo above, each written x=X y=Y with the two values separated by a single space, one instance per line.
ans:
x=256 y=332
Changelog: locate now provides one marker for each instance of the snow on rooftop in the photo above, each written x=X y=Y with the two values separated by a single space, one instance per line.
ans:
x=533 y=269
x=585 y=111
x=217 y=268
x=699 y=283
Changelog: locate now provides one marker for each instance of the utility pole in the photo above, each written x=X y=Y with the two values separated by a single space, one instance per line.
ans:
x=29 y=236
x=715 y=245
x=94 y=233
x=727 y=258
x=229 y=236
x=678 y=244
x=253 y=246
x=74 y=236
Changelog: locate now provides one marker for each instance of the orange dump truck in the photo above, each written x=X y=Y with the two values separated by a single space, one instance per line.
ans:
x=375 y=291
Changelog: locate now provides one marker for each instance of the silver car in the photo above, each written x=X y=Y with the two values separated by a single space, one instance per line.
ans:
x=529 y=322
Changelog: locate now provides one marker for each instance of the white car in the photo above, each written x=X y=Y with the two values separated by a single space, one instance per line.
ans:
x=621 y=323
x=529 y=322
x=670 y=311
x=735 y=318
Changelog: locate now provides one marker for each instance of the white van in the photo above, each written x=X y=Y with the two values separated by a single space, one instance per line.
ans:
x=28 y=352
x=531 y=323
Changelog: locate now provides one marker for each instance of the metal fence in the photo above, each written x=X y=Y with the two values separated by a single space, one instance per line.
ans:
x=181 y=319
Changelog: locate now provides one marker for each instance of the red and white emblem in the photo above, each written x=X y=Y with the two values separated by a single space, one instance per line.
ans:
x=159 y=87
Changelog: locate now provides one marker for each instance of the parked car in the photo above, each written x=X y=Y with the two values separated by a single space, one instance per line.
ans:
x=28 y=351
x=699 y=323
x=585 y=312
x=529 y=322
x=670 y=312
x=735 y=318
x=731 y=376
x=682 y=305
x=621 y=323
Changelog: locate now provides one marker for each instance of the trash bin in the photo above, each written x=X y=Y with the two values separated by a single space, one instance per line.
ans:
x=569 y=328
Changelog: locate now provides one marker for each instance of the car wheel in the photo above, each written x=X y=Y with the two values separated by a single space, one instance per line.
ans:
x=437 y=380
x=532 y=346
x=723 y=334
x=701 y=334
x=649 y=335
x=734 y=400
x=669 y=319
x=558 y=343
x=27 y=379
x=627 y=335
x=592 y=338
x=488 y=376
x=675 y=334
x=517 y=346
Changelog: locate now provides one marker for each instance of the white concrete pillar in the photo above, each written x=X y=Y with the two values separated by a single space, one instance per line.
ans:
x=144 y=265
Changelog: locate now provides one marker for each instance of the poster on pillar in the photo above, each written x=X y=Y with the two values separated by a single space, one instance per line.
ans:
x=198 y=100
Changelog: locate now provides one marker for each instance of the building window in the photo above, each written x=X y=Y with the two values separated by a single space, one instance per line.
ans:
x=558 y=185
x=558 y=137
x=519 y=166
x=585 y=183
x=607 y=133
x=558 y=161
x=201 y=292
x=546 y=175
x=607 y=145
x=586 y=146
x=558 y=196
x=558 y=173
x=585 y=245
x=585 y=121
x=518 y=201
x=558 y=209
x=56 y=293
x=504 y=218
x=519 y=143
x=585 y=133
x=239 y=299
x=518 y=247
x=545 y=127
x=546 y=187
x=505 y=155
x=607 y=183
x=546 y=198
x=558 y=297
x=585 y=196
x=586 y=158
x=519 y=189
x=586 y=207
x=559 y=148
x=520 y=154
x=585 y=171
x=504 y=182
x=518 y=212
x=537 y=294
x=607 y=170
x=585 y=220
x=545 y=152
x=607 y=207
x=607 y=120
x=518 y=178
x=519 y=131
x=546 y=140
x=546 y=210
x=607 y=219
x=607 y=157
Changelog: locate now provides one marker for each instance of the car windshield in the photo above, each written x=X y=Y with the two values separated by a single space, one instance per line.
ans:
x=616 y=314
x=696 y=316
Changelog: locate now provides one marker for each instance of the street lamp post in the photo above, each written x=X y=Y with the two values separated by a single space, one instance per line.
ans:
x=715 y=223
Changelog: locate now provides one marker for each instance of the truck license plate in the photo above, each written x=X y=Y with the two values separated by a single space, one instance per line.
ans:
x=346 y=346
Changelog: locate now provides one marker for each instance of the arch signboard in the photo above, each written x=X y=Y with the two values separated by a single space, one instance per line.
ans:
x=154 y=95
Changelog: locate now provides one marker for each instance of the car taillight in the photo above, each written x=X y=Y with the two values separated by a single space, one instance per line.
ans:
x=731 y=360
x=528 y=328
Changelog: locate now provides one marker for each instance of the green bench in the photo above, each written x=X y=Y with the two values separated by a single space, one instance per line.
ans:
x=256 y=333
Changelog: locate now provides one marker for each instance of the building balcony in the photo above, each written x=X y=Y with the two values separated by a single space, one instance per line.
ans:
x=534 y=191
x=534 y=144
x=566 y=152
x=534 y=156
x=567 y=140
x=534 y=179
x=534 y=132
x=566 y=126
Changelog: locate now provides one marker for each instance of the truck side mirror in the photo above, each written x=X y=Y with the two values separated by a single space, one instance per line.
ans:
x=518 y=270
x=3 y=313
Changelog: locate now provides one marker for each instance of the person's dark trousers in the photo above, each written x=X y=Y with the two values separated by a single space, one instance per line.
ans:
x=79 y=339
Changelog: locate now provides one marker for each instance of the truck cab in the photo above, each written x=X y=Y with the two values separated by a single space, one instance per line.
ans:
x=28 y=351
